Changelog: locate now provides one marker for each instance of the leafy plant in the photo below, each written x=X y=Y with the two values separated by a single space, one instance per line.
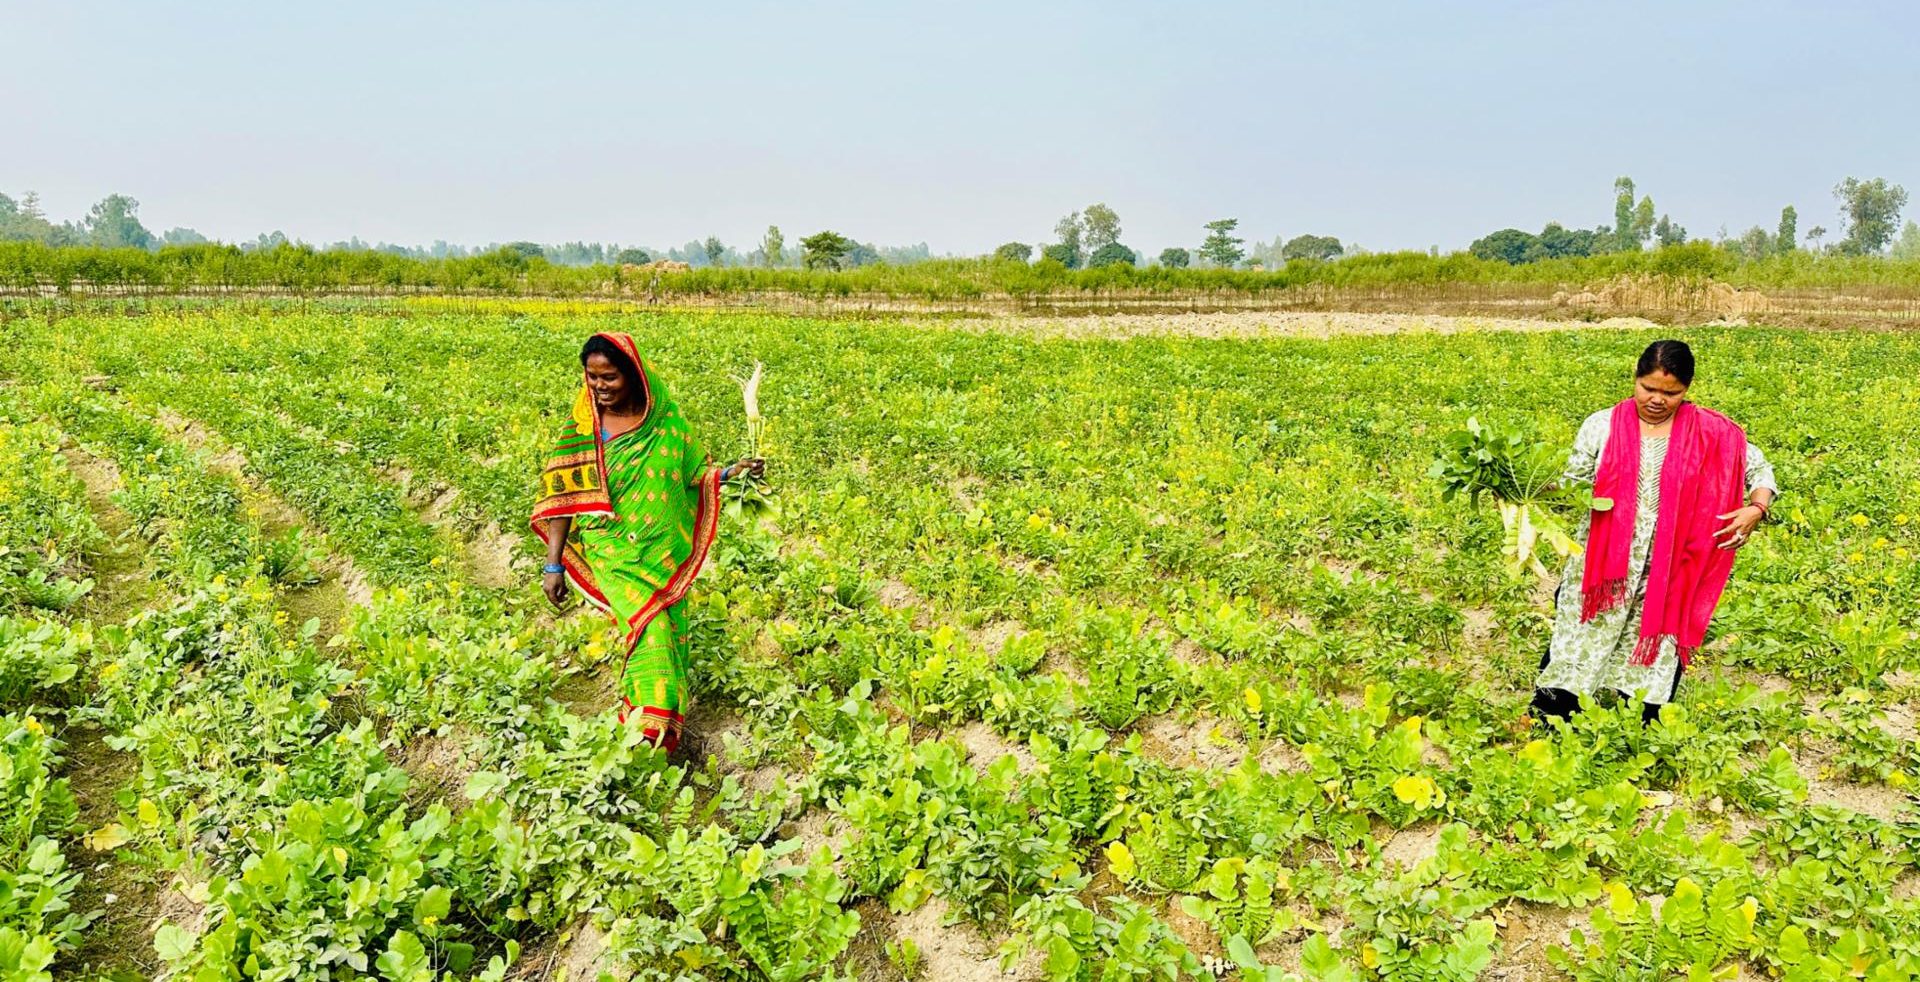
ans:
x=1518 y=472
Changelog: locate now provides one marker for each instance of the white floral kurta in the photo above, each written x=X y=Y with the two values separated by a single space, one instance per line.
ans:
x=1586 y=658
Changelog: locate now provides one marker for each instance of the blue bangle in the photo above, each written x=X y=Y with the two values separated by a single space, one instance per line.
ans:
x=553 y=568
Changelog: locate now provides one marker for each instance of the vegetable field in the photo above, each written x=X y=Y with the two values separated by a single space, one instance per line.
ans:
x=1062 y=658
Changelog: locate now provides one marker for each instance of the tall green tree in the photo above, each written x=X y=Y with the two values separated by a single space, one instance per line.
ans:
x=1509 y=245
x=1102 y=227
x=773 y=246
x=1623 y=214
x=1071 y=252
x=1871 y=210
x=113 y=224
x=1787 y=238
x=1222 y=247
x=632 y=257
x=715 y=250
x=1175 y=257
x=1814 y=235
x=1321 y=247
x=1907 y=246
x=1668 y=232
x=1018 y=252
x=1643 y=222
x=1754 y=243
x=1112 y=254
x=1557 y=241
x=825 y=250
x=1061 y=253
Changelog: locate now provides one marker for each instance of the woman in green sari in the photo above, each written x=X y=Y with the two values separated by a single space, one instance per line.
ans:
x=628 y=507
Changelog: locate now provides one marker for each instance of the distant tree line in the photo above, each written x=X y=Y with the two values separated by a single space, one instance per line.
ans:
x=114 y=223
x=1869 y=215
x=104 y=247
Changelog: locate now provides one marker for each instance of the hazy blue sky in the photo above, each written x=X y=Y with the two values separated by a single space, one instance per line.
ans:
x=963 y=125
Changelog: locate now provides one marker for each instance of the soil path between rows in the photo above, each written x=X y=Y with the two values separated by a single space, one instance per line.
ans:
x=129 y=899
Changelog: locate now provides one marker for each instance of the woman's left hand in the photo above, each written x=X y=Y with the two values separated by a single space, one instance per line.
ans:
x=1740 y=524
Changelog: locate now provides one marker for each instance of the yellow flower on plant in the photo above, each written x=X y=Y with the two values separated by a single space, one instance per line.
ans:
x=1859 y=520
x=1856 y=556
x=1417 y=790
x=1620 y=901
x=1254 y=702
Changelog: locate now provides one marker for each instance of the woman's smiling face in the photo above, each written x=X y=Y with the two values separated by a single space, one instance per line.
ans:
x=607 y=382
x=1657 y=395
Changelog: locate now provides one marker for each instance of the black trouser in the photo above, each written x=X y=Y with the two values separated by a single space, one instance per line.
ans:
x=1561 y=703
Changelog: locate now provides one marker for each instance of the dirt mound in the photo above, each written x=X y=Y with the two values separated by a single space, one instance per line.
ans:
x=657 y=266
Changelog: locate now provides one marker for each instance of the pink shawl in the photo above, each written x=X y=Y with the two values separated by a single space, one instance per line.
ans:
x=1704 y=476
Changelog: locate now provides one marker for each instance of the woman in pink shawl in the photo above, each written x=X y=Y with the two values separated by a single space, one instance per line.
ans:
x=1677 y=491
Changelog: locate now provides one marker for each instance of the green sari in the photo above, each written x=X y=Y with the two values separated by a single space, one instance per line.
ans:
x=645 y=505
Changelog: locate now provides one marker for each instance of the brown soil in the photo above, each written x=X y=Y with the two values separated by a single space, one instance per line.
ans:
x=325 y=601
x=866 y=956
x=955 y=952
x=1281 y=757
x=985 y=746
x=993 y=637
x=584 y=956
x=815 y=828
x=1192 y=931
x=1530 y=930
x=494 y=557
x=1877 y=801
x=590 y=692
x=1412 y=845
x=439 y=765
x=1199 y=743
x=122 y=585
x=118 y=941
x=221 y=456
x=896 y=593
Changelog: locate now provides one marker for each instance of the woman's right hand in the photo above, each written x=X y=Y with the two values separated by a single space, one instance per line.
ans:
x=555 y=586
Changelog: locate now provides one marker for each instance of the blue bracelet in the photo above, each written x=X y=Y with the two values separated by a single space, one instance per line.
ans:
x=553 y=568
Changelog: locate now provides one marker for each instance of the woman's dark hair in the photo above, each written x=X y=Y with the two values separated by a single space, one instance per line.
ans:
x=598 y=345
x=1672 y=357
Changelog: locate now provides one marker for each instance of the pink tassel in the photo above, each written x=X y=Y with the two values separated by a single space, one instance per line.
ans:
x=1647 y=650
x=1611 y=594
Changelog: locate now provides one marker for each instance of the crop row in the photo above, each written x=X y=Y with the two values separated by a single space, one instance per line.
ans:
x=1275 y=571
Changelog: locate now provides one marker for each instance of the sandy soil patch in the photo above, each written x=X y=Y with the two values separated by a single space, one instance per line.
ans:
x=955 y=952
x=897 y=594
x=1200 y=743
x=1530 y=930
x=1411 y=846
x=985 y=746
x=815 y=828
x=439 y=764
x=1872 y=800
